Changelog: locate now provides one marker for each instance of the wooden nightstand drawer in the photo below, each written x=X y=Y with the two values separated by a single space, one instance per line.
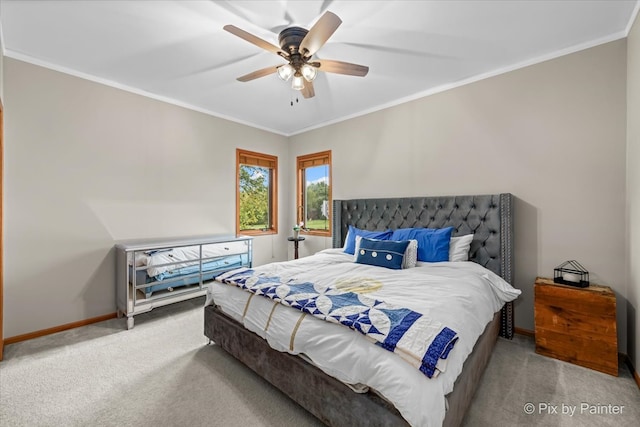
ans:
x=577 y=325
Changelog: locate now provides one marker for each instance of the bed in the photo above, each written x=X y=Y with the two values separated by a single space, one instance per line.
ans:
x=488 y=217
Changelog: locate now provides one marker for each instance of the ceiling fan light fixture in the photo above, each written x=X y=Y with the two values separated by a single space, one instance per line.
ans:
x=285 y=72
x=309 y=72
x=298 y=82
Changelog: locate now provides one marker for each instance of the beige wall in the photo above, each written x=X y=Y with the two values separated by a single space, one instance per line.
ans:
x=1 y=68
x=1 y=63
x=633 y=191
x=553 y=134
x=87 y=165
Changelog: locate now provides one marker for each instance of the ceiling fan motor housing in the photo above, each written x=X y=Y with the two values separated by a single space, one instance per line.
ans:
x=290 y=39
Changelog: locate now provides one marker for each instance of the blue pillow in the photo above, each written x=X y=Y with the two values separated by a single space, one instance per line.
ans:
x=433 y=243
x=350 y=244
x=382 y=253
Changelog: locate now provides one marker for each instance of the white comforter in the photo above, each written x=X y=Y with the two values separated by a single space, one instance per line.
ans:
x=462 y=296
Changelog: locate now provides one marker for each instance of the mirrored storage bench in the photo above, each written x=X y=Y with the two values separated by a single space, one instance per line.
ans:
x=152 y=273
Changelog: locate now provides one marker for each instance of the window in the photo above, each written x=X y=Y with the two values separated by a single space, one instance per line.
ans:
x=314 y=193
x=257 y=194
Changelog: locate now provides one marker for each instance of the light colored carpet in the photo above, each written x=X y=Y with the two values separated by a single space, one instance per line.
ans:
x=522 y=388
x=162 y=372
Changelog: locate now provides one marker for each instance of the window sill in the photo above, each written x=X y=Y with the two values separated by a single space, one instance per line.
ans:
x=316 y=233
x=257 y=232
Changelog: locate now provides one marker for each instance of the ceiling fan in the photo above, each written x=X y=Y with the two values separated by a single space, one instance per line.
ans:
x=297 y=47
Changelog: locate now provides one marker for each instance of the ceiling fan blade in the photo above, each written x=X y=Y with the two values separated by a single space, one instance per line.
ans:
x=340 y=67
x=320 y=33
x=307 y=90
x=258 y=73
x=253 y=39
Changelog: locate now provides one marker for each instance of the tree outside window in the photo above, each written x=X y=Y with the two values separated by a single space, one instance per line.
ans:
x=256 y=196
x=314 y=193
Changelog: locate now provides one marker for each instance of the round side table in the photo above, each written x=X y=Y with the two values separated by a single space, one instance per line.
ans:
x=295 y=241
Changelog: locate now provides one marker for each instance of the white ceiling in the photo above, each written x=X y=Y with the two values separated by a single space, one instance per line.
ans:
x=177 y=51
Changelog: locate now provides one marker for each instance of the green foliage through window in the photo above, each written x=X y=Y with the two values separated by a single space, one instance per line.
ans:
x=314 y=192
x=316 y=198
x=254 y=198
x=256 y=193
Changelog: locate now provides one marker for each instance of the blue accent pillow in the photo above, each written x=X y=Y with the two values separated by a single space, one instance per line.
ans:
x=433 y=243
x=350 y=244
x=381 y=253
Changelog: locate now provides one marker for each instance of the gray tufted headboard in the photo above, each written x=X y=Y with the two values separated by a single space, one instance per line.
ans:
x=489 y=217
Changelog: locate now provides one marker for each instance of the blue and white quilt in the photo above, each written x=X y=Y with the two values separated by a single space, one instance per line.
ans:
x=419 y=340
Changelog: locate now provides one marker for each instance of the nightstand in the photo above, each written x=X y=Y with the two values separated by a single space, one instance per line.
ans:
x=577 y=325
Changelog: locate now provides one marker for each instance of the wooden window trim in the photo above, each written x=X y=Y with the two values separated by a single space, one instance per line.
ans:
x=252 y=158
x=305 y=161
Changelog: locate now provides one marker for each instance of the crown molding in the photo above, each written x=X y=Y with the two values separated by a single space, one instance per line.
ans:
x=632 y=19
x=559 y=53
x=31 y=60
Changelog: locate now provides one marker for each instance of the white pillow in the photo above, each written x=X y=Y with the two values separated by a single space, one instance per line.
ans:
x=409 y=259
x=459 y=248
x=346 y=239
x=410 y=255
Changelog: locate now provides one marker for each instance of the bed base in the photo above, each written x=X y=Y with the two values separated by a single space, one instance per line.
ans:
x=328 y=399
